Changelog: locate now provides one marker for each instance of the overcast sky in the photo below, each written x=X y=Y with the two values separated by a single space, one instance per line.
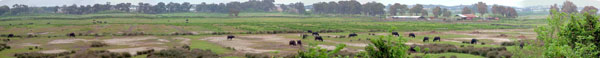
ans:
x=515 y=3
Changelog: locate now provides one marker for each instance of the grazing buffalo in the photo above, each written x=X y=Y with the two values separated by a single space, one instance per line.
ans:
x=425 y=39
x=309 y=31
x=292 y=43
x=298 y=42
x=71 y=34
x=395 y=34
x=304 y=36
x=521 y=45
x=437 y=38
x=318 y=38
x=352 y=35
x=412 y=49
x=411 y=35
x=230 y=37
x=315 y=34
x=11 y=35
x=473 y=41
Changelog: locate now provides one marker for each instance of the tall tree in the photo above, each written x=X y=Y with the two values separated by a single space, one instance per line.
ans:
x=300 y=8
x=393 y=10
x=19 y=8
x=374 y=8
x=416 y=9
x=424 y=13
x=467 y=10
x=159 y=8
x=554 y=7
x=402 y=9
x=185 y=7
x=447 y=13
x=482 y=8
x=590 y=10
x=4 y=9
x=437 y=11
x=234 y=8
x=569 y=7
x=511 y=12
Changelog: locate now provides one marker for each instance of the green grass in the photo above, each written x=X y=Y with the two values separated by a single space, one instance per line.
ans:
x=9 y=52
x=447 y=55
x=195 y=43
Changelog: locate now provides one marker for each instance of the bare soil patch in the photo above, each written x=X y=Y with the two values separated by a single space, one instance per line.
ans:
x=255 y=43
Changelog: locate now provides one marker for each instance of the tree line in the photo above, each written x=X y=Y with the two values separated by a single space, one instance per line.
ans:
x=147 y=8
x=569 y=8
x=350 y=7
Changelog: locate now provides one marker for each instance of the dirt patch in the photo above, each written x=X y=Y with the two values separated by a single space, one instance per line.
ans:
x=184 y=40
x=53 y=51
x=30 y=44
x=254 y=44
x=133 y=51
x=66 y=41
x=131 y=41
x=349 y=44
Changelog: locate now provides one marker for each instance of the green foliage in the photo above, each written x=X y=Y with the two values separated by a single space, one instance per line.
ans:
x=386 y=47
x=315 y=51
x=571 y=36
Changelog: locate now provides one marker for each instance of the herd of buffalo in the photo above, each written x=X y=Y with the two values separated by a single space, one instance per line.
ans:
x=317 y=37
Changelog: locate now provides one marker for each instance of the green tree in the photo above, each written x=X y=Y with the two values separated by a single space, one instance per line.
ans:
x=379 y=48
x=467 y=10
x=437 y=11
x=589 y=9
x=416 y=9
x=570 y=36
x=569 y=7
x=4 y=9
x=234 y=8
x=481 y=8
x=315 y=51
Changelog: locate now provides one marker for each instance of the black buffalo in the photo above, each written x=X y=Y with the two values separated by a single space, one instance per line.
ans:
x=292 y=43
x=10 y=35
x=318 y=38
x=298 y=42
x=425 y=39
x=411 y=35
x=437 y=38
x=352 y=35
x=230 y=37
x=521 y=45
x=309 y=31
x=71 y=34
x=395 y=34
x=473 y=41
x=315 y=34
x=304 y=36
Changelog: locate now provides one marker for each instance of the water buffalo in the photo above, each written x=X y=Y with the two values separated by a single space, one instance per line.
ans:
x=230 y=37
x=309 y=31
x=437 y=38
x=304 y=36
x=10 y=35
x=425 y=39
x=473 y=41
x=315 y=34
x=395 y=34
x=318 y=38
x=71 y=34
x=352 y=35
x=292 y=43
x=298 y=42
x=521 y=45
x=411 y=35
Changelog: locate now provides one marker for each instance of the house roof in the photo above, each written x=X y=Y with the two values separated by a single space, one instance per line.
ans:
x=467 y=15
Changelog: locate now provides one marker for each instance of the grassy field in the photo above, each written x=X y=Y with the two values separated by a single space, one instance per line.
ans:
x=49 y=25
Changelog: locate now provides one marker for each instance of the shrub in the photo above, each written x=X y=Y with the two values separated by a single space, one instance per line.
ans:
x=183 y=53
x=98 y=44
x=100 y=54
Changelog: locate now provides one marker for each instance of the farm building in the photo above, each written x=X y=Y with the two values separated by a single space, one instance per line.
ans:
x=467 y=16
x=408 y=17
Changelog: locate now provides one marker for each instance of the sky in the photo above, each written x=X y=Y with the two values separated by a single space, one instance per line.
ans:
x=515 y=3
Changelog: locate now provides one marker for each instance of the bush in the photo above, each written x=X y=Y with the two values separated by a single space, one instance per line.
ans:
x=100 y=54
x=98 y=44
x=183 y=53
x=41 y=55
